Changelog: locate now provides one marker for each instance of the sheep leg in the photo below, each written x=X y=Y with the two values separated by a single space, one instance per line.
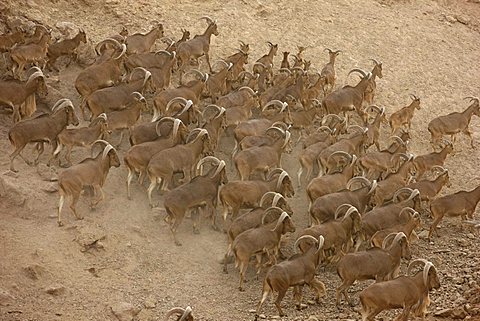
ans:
x=207 y=58
x=121 y=139
x=259 y=264
x=266 y=292
x=40 y=148
x=469 y=134
x=177 y=219
x=243 y=269
x=281 y=295
x=225 y=260
x=129 y=181
x=165 y=182
x=299 y=176
x=298 y=296
x=100 y=198
x=60 y=206
x=319 y=288
x=15 y=153
x=213 y=213
x=153 y=183
x=73 y=204
x=52 y=155
x=343 y=289
x=404 y=315
x=196 y=220
x=433 y=228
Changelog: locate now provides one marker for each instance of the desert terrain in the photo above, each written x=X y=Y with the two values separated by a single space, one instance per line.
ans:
x=121 y=257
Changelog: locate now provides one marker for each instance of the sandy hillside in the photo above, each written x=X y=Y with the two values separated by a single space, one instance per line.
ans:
x=123 y=251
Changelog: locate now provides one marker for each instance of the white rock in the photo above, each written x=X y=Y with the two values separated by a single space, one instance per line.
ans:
x=124 y=311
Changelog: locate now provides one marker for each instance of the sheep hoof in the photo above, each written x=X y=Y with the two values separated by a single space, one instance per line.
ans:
x=196 y=231
x=215 y=228
x=60 y=223
x=177 y=243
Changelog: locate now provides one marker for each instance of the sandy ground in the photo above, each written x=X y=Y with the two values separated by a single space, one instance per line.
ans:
x=47 y=273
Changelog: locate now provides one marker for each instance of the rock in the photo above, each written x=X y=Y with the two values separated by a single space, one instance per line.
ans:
x=68 y=29
x=47 y=173
x=124 y=311
x=311 y=302
x=470 y=236
x=458 y=280
x=312 y=318
x=150 y=302
x=90 y=237
x=9 y=173
x=13 y=193
x=463 y=19
x=423 y=234
x=5 y=297
x=34 y=271
x=51 y=188
x=262 y=316
x=459 y=313
x=55 y=290
x=443 y=313
x=450 y=18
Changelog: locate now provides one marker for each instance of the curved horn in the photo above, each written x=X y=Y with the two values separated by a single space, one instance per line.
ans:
x=250 y=90
x=138 y=96
x=396 y=237
x=398 y=139
x=275 y=102
x=274 y=171
x=107 y=149
x=225 y=64
x=276 y=197
x=287 y=138
x=176 y=310
x=357 y=178
x=426 y=269
x=375 y=108
x=473 y=98
x=175 y=100
x=349 y=212
x=281 y=125
x=163 y=52
x=207 y=159
x=62 y=103
x=135 y=70
x=340 y=208
x=281 y=131
x=99 y=46
x=157 y=130
x=271 y=210
x=101 y=141
x=339 y=152
x=440 y=168
x=329 y=116
x=280 y=179
x=304 y=237
x=186 y=313
x=285 y=70
x=280 y=220
x=322 y=128
x=124 y=49
x=197 y=72
x=103 y=116
x=207 y=19
x=186 y=107
x=360 y=71
x=375 y=61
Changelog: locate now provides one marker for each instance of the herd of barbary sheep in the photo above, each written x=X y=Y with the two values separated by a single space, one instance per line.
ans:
x=365 y=202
